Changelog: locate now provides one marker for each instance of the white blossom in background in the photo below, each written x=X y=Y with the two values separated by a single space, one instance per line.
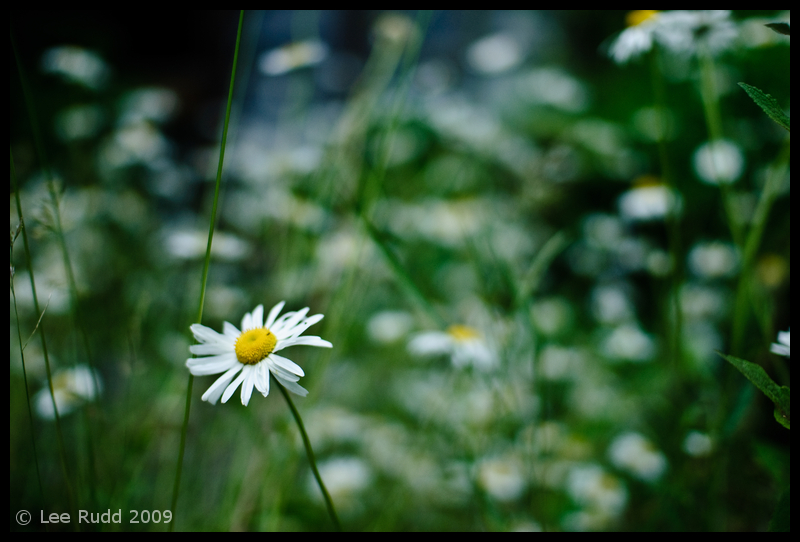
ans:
x=627 y=342
x=602 y=495
x=463 y=344
x=78 y=65
x=718 y=162
x=638 y=38
x=635 y=454
x=714 y=259
x=345 y=478
x=681 y=32
x=188 y=244
x=495 y=54
x=389 y=326
x=502 y=478
x=697 y=444
x=292 y=56
x=648 y=199
x=71 y=388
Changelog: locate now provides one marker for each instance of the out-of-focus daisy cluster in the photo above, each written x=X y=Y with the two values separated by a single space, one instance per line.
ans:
x=485 y=227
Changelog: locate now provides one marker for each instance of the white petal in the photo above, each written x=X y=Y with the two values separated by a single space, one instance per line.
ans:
x=310 y=340
x=282 y=328
x=287 y=364
x=210 y=349
x=277 y=370
x=230 y=331
x=232 y=387
x=262 y=379
x=205 y=334
x=211 y=365
x=212 y=394
x=431 y=343
x=273 y=313
x=302 y=326
x=247 y=385
x=258 y=316
x=248 y=322
x=293 y=387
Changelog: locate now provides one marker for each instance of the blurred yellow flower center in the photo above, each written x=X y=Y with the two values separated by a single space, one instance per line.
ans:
x=462 y=333
x=639 y=16
x=254 y=345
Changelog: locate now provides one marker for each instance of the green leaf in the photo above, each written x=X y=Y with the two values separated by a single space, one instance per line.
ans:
x=777 y=394
x=768 y=104
x=780 y=28
x=781 y=413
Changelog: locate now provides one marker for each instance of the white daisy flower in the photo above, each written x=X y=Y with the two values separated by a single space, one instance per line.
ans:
x=679 y=31
x=250 y=353
x=462 y=343
x=634 y=453
x=637 y=38
x=71 y=388
x=782 y=346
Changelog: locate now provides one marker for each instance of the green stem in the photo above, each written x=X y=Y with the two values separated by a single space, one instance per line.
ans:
x=674 y=324
x=714 y=123
x=179 y=468
x=771 y=190
x=404 y=277
x=311 y=459
x=19 y=336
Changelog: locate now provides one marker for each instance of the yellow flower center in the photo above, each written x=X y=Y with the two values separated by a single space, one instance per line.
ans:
x=254 y=345
x=639 y=16
x=462 y=333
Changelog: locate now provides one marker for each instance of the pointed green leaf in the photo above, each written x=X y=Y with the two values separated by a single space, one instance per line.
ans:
x=782 y=412
x=768 y=104
x=777 y=394
x=780 y=28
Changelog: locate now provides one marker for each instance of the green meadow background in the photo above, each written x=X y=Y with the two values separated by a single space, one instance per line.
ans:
x=400 y=173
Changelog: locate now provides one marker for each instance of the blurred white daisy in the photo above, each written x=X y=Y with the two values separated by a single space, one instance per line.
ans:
x=713 y=259
x=345 y=478
x=502 y=478
x=77 y=65
x=782 y=346
x=250 y=353
x=634 y=453
x=718 y=162
x=71 y=388
x=648 y=199
x=293 y=56
x=600 y=492
x=463 y=344
x=698 y=444
x=684 y=31
x=679 y=31
x=637 y=38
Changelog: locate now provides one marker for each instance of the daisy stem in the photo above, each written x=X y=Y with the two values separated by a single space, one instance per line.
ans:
x=710 y=98
x=675 y=323
x=311 y=459
x=178 y=470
